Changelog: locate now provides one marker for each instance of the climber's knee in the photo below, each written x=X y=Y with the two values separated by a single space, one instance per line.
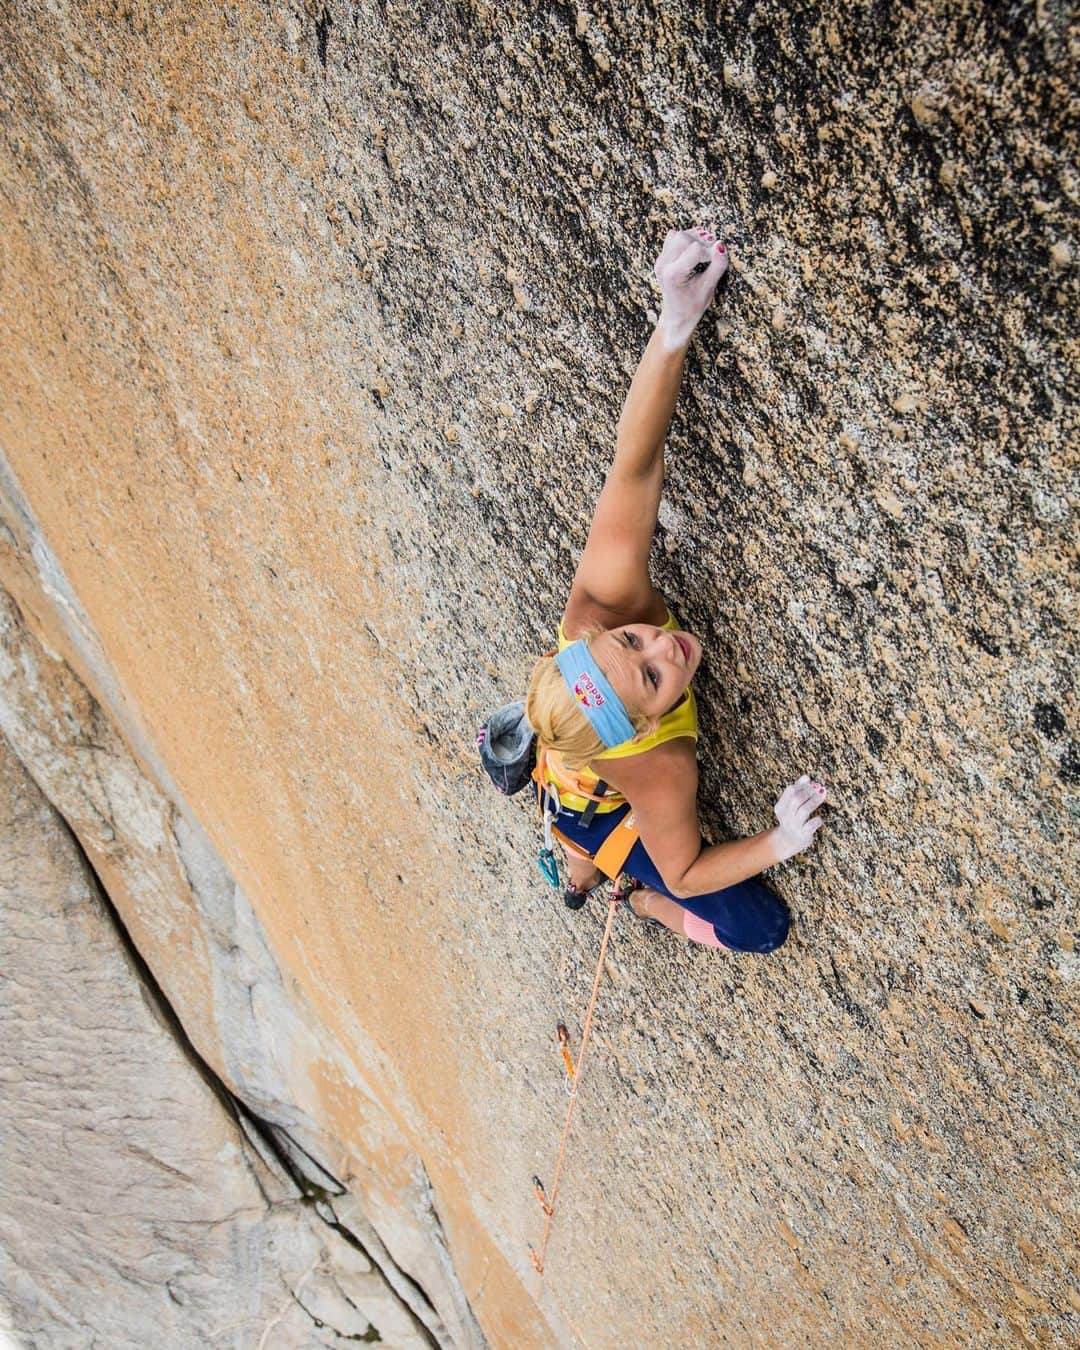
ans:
x=756 y=919
x=778 y=928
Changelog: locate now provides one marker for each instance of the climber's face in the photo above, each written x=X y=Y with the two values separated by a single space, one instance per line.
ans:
x=648 y=667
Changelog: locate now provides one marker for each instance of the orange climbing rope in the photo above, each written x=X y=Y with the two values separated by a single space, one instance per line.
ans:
x=573 y=1081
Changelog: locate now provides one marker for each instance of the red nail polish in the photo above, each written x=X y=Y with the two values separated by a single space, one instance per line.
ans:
x=720 y=248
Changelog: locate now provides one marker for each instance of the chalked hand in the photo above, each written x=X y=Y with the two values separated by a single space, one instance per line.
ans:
x=794 y=812
x=688 y=269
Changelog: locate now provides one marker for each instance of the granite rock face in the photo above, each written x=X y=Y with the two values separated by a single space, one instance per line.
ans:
x=317 y=321
x=125 y=1167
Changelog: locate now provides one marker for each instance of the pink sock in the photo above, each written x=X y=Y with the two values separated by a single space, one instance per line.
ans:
x=698 y=930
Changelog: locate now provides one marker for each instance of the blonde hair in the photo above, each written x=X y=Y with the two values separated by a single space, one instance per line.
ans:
x=555 y=715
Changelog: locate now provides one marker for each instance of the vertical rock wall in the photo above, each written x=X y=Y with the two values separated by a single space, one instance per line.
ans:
x=138 y=1201
x=316 y=324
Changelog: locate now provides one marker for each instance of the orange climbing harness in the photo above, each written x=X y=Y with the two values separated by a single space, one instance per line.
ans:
x=549 y=764
x=551 y=774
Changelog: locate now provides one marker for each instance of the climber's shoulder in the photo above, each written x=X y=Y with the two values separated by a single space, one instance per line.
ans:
x=669 y=769
x=584 y=611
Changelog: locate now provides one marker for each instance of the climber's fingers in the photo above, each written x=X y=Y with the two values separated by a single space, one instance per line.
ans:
x=718 y=265
x=696 y=268
x=675 y=241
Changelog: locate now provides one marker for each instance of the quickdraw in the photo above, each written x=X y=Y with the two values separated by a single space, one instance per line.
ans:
x=541 y=1195
x=548 y=867
x=564 y=1045
x=551 y=806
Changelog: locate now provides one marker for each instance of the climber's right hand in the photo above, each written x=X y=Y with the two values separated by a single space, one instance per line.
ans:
x=688 y=269
x=794 y=812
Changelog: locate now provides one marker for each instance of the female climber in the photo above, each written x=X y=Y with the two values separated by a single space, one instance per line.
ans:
x=613 y=708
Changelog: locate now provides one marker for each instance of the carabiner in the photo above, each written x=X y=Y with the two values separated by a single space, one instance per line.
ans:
x=564 y=1046
x=541 y=1195
x=550 y=868
x=551 y=812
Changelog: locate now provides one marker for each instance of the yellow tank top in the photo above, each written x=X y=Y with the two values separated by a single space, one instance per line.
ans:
x=680 y=721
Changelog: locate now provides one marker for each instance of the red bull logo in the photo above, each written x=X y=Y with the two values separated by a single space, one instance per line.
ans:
x=586 y=692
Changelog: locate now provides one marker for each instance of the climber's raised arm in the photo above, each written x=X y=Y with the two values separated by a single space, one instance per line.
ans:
x=612 y=579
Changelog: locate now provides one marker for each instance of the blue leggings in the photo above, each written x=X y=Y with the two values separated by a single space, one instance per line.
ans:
x=747 y=917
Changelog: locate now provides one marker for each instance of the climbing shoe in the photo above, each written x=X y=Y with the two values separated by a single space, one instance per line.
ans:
x=575 y=896
x=623 y=888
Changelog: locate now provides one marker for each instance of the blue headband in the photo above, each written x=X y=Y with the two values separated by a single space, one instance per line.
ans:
x=595 y=697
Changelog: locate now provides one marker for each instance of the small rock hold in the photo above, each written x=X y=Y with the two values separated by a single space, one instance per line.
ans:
x=506 y=409
x=998 y=927
x=926 y=105
x=948 y=172
x=532 y=398
x=768 y=179
x=1060 y=254
x=889 y=502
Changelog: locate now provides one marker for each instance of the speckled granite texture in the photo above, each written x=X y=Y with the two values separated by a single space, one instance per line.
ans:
x=316 y=325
